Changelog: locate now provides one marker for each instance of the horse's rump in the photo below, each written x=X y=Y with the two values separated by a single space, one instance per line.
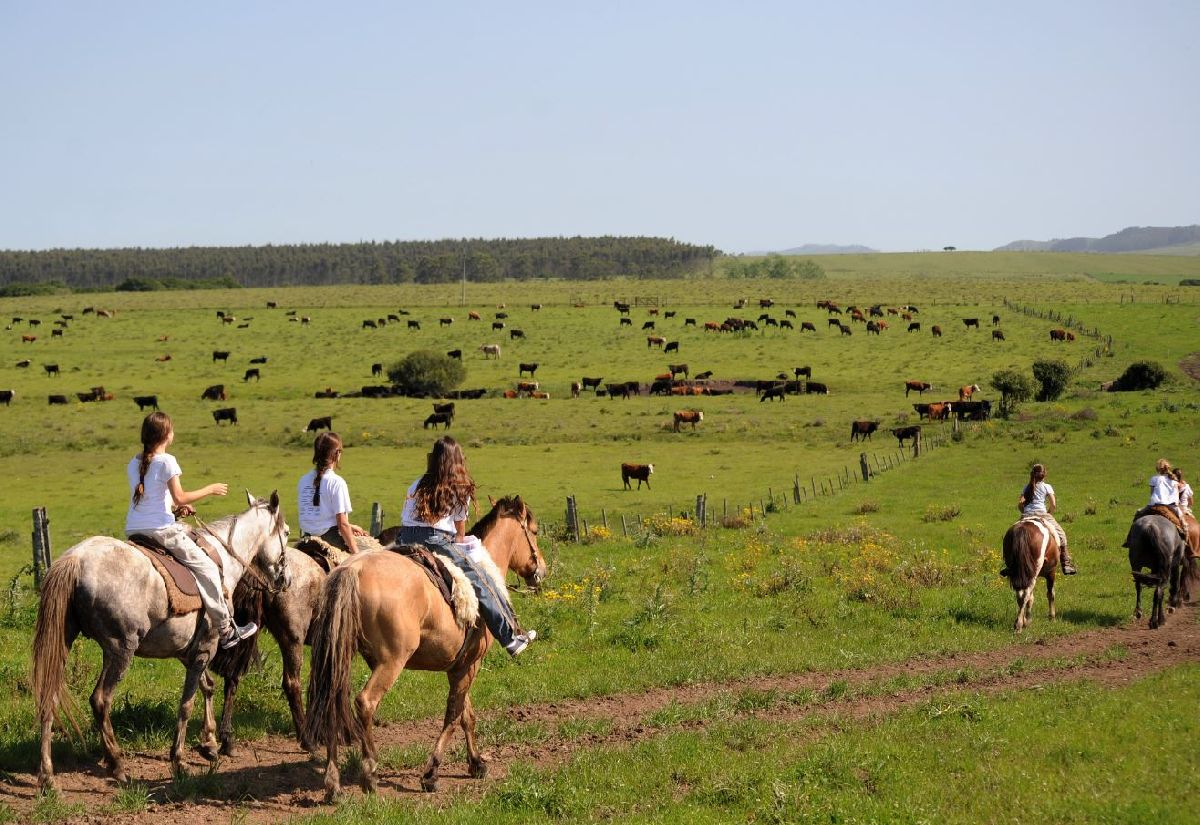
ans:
x=1030 y=549
x=183 y=594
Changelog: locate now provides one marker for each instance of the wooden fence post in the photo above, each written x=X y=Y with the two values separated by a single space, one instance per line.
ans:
x=41 y=545
x=701 y=501
x=866 y=468
x=572 y=519
x=376 y=518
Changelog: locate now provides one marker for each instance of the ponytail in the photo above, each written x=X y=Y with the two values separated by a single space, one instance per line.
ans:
x=156 y=427
x=326 y=451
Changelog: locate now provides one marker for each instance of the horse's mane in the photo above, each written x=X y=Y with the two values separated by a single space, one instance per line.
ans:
x=507 y=506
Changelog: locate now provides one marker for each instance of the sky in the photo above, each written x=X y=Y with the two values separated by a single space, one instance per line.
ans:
x=745 y=125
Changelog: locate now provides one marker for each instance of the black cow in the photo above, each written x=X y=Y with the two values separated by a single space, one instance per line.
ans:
x=591 y=383
x=262 y=359
x=445 y=409
x=641 y=472
x=433 y=419
x=535 y=307
x=648 y=325
x=51 y=369
x=660 y=386
x=252 y=373
x=777 y=391
x=376 y=369
x=23 y=363
x=995 y=320
x=7 y=396
x=815 y=388
x=997 y=335
x=915 y=326
x=144 y=401
x=414 y=324
x=497 y=325
x=862 y=429
x=214 y=393
x=225 y=414
x=513 y=334
x=57 y=399
x=805 y=371
x=971 y=322
x=620 y=388
x=218 y=355
x=912 y=433
x=672 y=346
x=806 y=326
x=689 y=322
x=455 y=353
x=626 y=322
x=56 y=333
x=325 y=422
x=369 y=324
x=501 y=315
x=526 y=368
x=328 y=392
x=445 y=322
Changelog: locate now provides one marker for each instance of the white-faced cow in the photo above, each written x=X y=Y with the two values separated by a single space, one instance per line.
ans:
x=490 y=350
x=641 y=472
x=692 y=417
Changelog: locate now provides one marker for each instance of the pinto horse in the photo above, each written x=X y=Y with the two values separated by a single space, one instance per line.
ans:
x=107 y=590
x=1030 y=552
x=383 y=606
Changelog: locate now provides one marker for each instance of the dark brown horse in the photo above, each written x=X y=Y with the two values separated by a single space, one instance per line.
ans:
x=383 y=606
x=1030 y=552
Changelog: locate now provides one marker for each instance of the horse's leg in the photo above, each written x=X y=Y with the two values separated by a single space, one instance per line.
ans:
x=191 y=681
x=383 y=676
x=208 y=746
x=292 y=653
x=1019 y=625
x=456 y=700
x=1174 y=600
x=116 y=663
x=1050 y=595
x=1156 y=615
x=477 y=766
x=1137 y=606
x=225 y=731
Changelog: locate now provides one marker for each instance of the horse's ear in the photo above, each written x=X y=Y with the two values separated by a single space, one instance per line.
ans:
x=250 y=499
x=273 y=504
x=491 y=501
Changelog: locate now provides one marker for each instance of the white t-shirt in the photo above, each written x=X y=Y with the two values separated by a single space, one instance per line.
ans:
x=1036 y=504
x=335 y=498
x=1186 y=495
x=1162 y=490
x=409 y=517
x=154 y=510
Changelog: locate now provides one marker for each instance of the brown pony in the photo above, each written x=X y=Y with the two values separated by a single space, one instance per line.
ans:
x=383 y=606
x=1030 y=551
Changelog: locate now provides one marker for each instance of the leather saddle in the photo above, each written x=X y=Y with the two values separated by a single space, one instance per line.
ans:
x=182 y=577
x=430 y=565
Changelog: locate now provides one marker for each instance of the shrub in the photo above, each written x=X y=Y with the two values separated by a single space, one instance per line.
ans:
x=935 y=513
x=1014 y=388
x=1053 y=377
x=427 y=373
x=865 y=507
x=1141 y=375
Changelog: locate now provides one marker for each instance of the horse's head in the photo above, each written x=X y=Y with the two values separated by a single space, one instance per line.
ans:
x=268 y=534
x=520 y=536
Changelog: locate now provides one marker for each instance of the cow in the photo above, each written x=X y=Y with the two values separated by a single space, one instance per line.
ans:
x=712 y=326
x=393 y=318
x=28 y=339
x=846 y=330
x=6 y=396
x=497 y=326
x=509 y=394
x=937 y=331
x=144 y=401
x=807 y=326
x=620 y=388
x=445 y=322
x=447 y=408
x=903 y=433
x=225 y=414
x=535 y=307
x=689 y=322
x=490 y=350
x=163 y=358
x=834 y=322
x=918 y=387
x=17 y=319
x=227 y=319
x=647 y=325
x=776 y=391
x=995 y=320
x=527 y=386
x=785 y=324
x=862 y=429
x=105 y=313
x=57 y=399
x=672 y=346
x=328 y=392
x=914 y=326
x=325 y=422
x=815 y=388
x=872 y=326
x=765 y=303
x=997 y=335
x=218 y=355
x=376 y=369
x=51 y=369
x=805 y=371
x=655 y=341
x=375 y=391
x=24 y=363
x=214 y=393
x=789 y=313
x=290 y=312
x=413 y=324
x=369 y=324
x=305 y=321
x=576 y=388
x=455 y=354
x=62 y=324
x=433 y=419
x=501 y=315
x=973 y=410
x=662 y=386
x=971 y=322
x=252 y=373
x=670 y=313
x=965 y=393
x=514 y=334
x=939 y=411
x=526 y=368
x=591 y=383
x=678 y=368
x=625 y=322
x=1058 y=335
x=540 y=395
x=56 y=333
x=272 y=305
x=641 y=472
x=703 y=376
x=621 y=307
x=473 y=316
x=262 y=359
x=1070 y=336
x=34 y=322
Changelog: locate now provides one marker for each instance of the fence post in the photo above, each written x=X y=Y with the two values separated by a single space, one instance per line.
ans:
x=701 y=501
x=572 y=519
x=624 y=527
x=41 y=545
x=866 y=468
x=376 y=518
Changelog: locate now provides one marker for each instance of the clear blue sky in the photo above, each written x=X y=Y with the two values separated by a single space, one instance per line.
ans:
x=747 y=125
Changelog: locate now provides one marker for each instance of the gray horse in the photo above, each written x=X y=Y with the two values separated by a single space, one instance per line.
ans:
x=106 y=590
x=1154 y=543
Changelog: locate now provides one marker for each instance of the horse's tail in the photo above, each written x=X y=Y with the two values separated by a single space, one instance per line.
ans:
x=52 y=642
x=1148 y=579
x=249 y=599
x=331 y=717
x=1189 y=579
x=1022 y=548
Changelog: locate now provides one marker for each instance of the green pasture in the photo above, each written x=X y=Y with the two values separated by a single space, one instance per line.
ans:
x=903 y=565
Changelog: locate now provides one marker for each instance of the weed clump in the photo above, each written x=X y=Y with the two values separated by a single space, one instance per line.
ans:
x=934 y=513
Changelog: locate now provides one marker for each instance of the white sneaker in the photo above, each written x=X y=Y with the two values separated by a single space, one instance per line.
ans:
x=234 y=634
x=520 y=642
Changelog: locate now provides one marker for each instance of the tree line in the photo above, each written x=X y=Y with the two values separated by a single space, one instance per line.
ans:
x=387 y=262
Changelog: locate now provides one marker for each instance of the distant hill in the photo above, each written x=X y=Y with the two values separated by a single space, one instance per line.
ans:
x=826 y=249
x=1159 y=239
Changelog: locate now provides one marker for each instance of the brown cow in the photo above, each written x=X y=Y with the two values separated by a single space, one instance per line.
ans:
x=28 y=339
x=939 y=411
x=862 y=429
x=965 y=393
x=641 y=472
x=527 y=387
x=472 y=316
x=576 y=388
x=806 y=326
x=541 y=396
x=918 y=387
x=937 y=331
x=655 y=341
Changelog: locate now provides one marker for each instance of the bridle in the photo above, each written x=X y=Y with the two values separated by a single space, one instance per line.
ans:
x=533 y=551
x=251 y=568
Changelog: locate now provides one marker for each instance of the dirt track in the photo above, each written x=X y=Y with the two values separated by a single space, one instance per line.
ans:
x=271 y=779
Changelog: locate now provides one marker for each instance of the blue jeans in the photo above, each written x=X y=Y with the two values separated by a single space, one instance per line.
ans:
x=495 y=610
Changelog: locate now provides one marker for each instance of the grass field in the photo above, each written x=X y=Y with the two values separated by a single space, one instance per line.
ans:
x=900 y=567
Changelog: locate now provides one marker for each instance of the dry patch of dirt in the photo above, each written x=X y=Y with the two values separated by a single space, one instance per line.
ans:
x=1191 y=365
x=271 y=779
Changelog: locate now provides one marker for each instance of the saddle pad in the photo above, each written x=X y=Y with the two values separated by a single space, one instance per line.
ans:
x=183 y=596
x=322 y=552
x=432 y=566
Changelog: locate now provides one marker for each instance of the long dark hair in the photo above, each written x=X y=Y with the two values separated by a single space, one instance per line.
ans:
x=1037 y=473
x=446 y=484
x=156 y=428
x=326 y=450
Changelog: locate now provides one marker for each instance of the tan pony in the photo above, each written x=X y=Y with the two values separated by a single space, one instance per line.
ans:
x=383 y=606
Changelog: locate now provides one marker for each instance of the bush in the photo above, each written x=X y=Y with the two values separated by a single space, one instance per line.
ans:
x=427 y=373
x=1014 y=388
x=1053 y=377
x=1141 y=375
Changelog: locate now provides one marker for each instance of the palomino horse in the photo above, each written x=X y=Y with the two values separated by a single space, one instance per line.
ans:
x=1154 y=543
x=107 y=590
x=385 y=607
x=1030 y=551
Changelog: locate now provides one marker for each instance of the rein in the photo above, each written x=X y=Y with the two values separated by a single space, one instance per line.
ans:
x=249 y=569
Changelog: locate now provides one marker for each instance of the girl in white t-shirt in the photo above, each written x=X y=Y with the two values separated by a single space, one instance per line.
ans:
x=154 y=484
x=1038 y=500
x=1186 y=496
x=324 y=498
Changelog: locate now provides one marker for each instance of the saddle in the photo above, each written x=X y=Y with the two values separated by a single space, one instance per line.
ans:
x=433 y=567
x=322 y=552
x=183 y=595
x=1166 y=512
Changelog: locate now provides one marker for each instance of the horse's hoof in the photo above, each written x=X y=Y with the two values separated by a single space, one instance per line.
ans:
x=208 y=750
x=332 y=795
x=369 y=784
x=478 y=770
x=228 y=749
x=428 y=784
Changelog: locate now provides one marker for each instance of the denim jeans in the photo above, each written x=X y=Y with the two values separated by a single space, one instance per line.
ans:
x=495 y=610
